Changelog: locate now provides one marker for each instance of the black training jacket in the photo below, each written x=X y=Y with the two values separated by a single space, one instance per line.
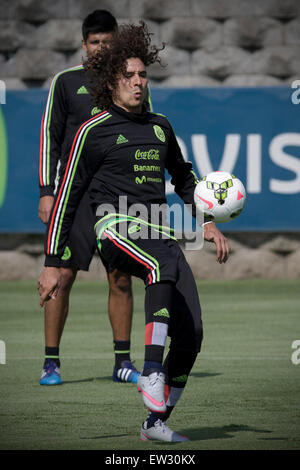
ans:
x=68 y=105
x=114 y=154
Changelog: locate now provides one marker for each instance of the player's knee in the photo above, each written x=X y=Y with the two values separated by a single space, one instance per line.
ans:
x=190 y=340
x=67 y=277
x=196 y=336
x=119 y=283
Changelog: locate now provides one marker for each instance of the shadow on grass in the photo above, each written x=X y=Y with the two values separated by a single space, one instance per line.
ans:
x=90 y=379
x=206 y=433
x=272 y=438
x=199 y=375
x=65 y=382
x=202 y=375
x=224 y=432
x=107 y=436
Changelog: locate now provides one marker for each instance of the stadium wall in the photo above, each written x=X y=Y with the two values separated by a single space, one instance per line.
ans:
x=210 y=42
x=211 y=45
x=255 y=255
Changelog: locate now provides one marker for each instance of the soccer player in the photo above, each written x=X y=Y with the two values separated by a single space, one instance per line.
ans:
x=124 y=150
x=68 y=105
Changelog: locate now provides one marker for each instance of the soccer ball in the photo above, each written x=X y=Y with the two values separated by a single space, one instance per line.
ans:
x=220 y=196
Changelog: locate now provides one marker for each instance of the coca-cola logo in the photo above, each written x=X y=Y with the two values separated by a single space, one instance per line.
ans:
x=152 y=154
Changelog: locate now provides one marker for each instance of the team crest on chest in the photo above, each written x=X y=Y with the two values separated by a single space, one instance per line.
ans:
x=159 y=133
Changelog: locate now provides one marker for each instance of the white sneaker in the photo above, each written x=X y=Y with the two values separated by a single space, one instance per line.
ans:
x=152 y=388
x=160 y=432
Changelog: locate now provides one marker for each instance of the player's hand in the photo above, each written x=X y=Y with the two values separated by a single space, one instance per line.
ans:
x=213 y=234
x=45 y=206
x=48 y=284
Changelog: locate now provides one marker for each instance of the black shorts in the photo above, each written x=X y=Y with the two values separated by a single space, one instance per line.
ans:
x=82 y=243
x=154 y=261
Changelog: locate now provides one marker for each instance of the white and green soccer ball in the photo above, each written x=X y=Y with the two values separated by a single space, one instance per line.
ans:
x=220 y=196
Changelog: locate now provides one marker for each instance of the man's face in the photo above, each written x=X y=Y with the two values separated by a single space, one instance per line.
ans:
x=95 y=42
x=131 y=89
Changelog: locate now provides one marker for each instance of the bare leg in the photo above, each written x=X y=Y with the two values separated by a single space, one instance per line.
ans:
x=56 y=311
x=120 y=305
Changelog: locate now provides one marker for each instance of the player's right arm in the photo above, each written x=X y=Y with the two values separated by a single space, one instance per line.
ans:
x=84 y=160
x=44 y=209
x=51 y=138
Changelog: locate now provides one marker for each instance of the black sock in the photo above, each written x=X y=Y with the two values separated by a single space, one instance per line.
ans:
x=153 y=417
x=53 y=354
x=122 y=352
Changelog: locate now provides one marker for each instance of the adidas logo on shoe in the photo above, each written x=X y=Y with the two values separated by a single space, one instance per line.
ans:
x=121 y=139
x=126 y=373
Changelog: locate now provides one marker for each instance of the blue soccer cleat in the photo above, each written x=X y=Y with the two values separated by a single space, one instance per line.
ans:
x=50 y=374
x=126 y=373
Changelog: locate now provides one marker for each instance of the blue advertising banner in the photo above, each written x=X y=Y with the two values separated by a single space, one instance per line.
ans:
x=253 y=133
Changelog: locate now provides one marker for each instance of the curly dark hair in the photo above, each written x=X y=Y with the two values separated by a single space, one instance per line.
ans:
x=106 y=66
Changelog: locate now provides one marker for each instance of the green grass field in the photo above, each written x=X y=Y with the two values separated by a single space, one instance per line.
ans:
x=243 y=392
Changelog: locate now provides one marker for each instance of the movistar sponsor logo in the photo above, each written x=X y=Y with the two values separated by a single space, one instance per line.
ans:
x=121 y=139
x=141 y=180
x=163 y=312
x=147 y=179
x=154 y=180
x=181 y=378
x=82 y=91
x=152 y=154
x=146 y=168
